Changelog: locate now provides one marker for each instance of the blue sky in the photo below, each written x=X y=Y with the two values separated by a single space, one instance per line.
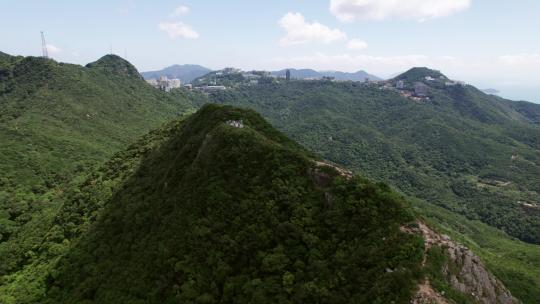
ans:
x=489 y=43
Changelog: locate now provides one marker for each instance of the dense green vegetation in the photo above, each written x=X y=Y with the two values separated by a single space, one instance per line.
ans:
x=79 y=207
x=420 y=74
x=462 y=150
x=200 y=212
x=203 y=212
x=57 y=122
x=473 y=154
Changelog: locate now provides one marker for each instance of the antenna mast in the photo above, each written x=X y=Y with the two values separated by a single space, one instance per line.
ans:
x=44 y=46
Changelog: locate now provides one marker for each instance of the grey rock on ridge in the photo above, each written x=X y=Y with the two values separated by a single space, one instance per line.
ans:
x=472 y=277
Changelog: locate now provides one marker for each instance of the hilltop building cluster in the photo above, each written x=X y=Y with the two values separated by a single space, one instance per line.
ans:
x=211 y=88
x=418 y=90
x=414 y=87
x=236 y=123
x=165 y=84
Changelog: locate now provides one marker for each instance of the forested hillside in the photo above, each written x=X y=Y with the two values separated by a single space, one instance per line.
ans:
x=461 y=149
x=221 y=207
x=473 y=154
x=57 y=122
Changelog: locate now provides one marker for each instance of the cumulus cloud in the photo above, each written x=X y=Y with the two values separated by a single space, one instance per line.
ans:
x=181 y=11
x=178 y=30
x=356 y=44
x=299 y=31
x=53 y=50
x=351 y=10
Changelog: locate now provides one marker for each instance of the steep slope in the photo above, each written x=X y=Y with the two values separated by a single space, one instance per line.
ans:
x=226 y=209
x=57 y=121
x=186 y=72
x=527 y=109
x=452 y=268
x=474 y=154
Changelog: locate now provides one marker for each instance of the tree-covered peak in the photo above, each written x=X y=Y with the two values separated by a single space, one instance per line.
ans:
x=420 y=74
x=116 y=65
x=225 y=209
x=211 y=116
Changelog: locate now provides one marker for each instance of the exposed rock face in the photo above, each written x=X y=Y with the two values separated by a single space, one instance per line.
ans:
x=324 y=179
x=427 y=295
x=343 y=172
x=471 y=277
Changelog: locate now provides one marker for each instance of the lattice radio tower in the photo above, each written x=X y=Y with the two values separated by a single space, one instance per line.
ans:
x=44 y=46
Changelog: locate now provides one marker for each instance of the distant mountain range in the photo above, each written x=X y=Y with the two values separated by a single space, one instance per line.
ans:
x=186 y=72
x=309 y=73
x=189 y=72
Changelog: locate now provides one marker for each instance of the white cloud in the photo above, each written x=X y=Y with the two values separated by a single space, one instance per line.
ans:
x=521 y=59
x=181 y=11
x=350 y=10
x=298 y=31
x=53 y=50
x=356 y=44
x=178 y=29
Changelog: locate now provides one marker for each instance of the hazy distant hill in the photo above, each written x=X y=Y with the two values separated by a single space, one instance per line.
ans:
x=186 y=73
x=309 y=73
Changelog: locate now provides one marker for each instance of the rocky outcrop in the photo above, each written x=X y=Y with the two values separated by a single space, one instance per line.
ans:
x=342 y=172
x=465 y=272
x=427 y=295
x=322 y=177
